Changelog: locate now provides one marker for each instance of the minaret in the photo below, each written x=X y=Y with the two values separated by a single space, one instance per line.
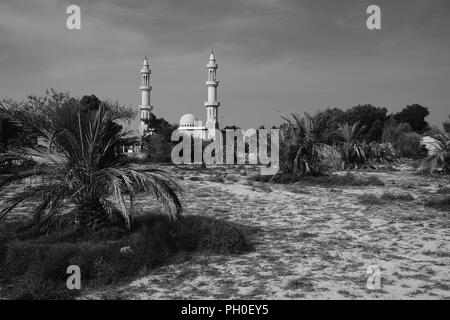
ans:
x=146 y=88
x=212 y=105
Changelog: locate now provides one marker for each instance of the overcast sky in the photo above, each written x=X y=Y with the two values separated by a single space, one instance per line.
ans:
x=274 y=56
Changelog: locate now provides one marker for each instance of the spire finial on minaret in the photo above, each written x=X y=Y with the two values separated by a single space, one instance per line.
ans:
x=145 y=63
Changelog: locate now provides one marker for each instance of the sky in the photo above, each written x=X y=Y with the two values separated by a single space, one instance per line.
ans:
x=275 y=57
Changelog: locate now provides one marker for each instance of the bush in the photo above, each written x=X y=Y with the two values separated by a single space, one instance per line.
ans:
x=37 y=266
x=409 y=145
x=370 y=199
x=301 y=152
x=406 y=142
x=441 y=203
x=348 y=179
x=439 y=160
x=211 y=236
x=352 y=148
x=444 y=190
x=397 y=196
x=380 y=152
x=158 y=148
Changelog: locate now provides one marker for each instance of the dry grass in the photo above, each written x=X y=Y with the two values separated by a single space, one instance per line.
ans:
x=37 y=266
x=334 y=180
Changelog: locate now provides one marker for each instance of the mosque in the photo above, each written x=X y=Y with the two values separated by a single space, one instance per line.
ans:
x=189 y=124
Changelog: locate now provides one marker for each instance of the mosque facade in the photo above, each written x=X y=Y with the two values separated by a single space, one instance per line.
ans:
x=189 y=123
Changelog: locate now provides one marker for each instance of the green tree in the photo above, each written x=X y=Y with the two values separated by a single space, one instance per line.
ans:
x=301 y=152
x=352 y=148
x=158 y=144
x=415 y=116
x=327 y=125
x=370 y=121
x=78 y=171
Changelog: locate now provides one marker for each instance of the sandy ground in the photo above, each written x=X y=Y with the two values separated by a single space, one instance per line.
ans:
x=313 y=243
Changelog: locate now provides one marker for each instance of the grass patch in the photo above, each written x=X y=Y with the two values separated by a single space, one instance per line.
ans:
x=440 y=203
x=444 y=190
x=261 y=187
x=390 y=196
x=35 y=268
x=370 y=199
x=233 y=178
x=299 y=189
x=217 y=178
x=302 y=284
x=348 y=179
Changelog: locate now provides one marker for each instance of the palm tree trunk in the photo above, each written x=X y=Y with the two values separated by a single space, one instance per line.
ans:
x=91 y=215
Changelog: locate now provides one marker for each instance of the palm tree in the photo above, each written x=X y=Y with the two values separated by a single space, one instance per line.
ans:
x=301 y=152
x=352 y=149
x=439 y=159
x=78 y=167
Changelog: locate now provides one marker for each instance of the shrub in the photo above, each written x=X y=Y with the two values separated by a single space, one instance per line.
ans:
x=330 y=158
x=409 y=145
x=217 y=178
x=352 y=149
x=442 y=203
x=439 y=160
x=301 y=153
x=444 y=190
x=82 y=171
x=380 y=153
x=370 y=199
x=348 y=179
x=158 y=149
x=406 y=142
x=397 y=196
x=37 y=266
x=211 y=236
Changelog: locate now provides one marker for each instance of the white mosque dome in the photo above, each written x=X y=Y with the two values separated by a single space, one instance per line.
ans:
x=188 y=120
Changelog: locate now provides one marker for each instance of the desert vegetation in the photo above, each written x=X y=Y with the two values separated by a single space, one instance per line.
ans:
x=77 y=190
x=355 y=187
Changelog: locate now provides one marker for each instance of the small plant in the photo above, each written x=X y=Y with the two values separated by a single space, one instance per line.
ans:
x=441 y=203
x=370 y=199
x=349 y=179
x=301 y=153
x=380 y=153
x=352 y=149
x=443 y=190
x=390 y=196
x=439 y=159
x=217 y=178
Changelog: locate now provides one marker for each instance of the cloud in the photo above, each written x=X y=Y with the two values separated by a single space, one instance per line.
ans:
x=282 y=53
